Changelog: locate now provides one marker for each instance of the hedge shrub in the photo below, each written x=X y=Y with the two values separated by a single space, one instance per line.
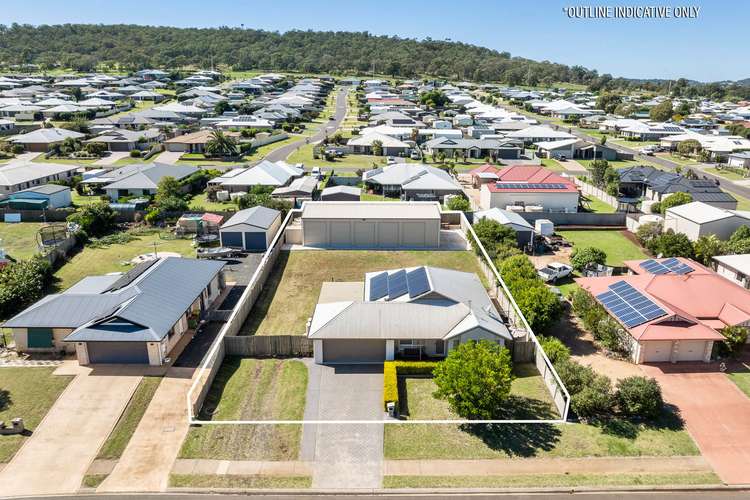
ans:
x=391 y=371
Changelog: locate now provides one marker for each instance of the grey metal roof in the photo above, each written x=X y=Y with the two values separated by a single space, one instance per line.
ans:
x=257 y=216
x=148 y=176
x=45 y=189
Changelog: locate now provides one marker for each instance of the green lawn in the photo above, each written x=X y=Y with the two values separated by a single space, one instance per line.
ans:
x=120 y=436
x=251 y=389
x=530 y=400
x=614 y=243
x=26 y=392
x=550 y=480
x=727 y=174
x=679 y=159
x=741 y=378
x=19 y=239
x=201 y=201
x=293 y=287
x=305 y=155
x=83 y=200
x=261 y=152
x=42 y=159
x=596 y=205
x=113 y=258
x=552 y=164
x=239 y=481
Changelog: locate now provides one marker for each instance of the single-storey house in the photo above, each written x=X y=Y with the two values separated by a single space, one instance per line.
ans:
x=529 y=186
x=20 y=176
x=300 y=189
x=44 y=139
x=341 y=193
x=251 y=229
x=735 y=268
x=391 y=146
x=575 y=148
x=698 y=219
x=412 y=181
x=137 y=179
x=739 y=160
x=194 y=142
x=539 y=133
x=475 y=148
x=128 y=140
x=265 y=173
x=370 y=225
x=47 y=195
x=672 y=309
x=524 y=230
x=137 y=317
x=420 y=312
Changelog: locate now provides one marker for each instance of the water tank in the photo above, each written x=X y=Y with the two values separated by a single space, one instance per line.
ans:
x=222 y=195
x=544 y=227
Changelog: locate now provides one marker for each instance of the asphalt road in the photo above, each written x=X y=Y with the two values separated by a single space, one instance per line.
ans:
x=632 y=495
x=329 y=128
x=727 y=185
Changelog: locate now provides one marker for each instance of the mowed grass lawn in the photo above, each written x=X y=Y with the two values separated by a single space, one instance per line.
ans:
x=530 y=400
x=305 y=155
x=251 y=389
x=614 y=243
x=112 y=258
x=19 y=239
x=293 y=288
x=26 y=392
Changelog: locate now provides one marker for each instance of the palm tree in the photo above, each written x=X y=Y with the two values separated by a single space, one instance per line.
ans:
x=221 y=145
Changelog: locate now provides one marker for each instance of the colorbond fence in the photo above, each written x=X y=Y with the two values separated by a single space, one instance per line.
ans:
x=263 y=346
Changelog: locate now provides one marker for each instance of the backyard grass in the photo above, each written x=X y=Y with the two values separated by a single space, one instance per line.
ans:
x=530 y=400
x=26 y=392
x=596 y=205
x=251 y=389
x=293 y=287
x=550 y=480
x=614 y=243
x=83 y=200
x=201 y=201
x=238 y=481
x=120 y=436
x=727 y=174
x=113 y=258
x=552 y=164
x=19 y=239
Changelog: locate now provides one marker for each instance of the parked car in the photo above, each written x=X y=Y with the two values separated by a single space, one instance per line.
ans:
x=316 y=172
x=390 y=160
x=414 y=155
x=554 y=271
x=648 y=151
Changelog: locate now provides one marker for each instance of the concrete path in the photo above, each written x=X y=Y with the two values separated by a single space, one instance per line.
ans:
x=573 y=167
x=588 y=465
x=241 y=467
x=345 y=455
x=716 y=413
x=168 y=157
x=146 y=462
x=113 y=157
x=58 y=454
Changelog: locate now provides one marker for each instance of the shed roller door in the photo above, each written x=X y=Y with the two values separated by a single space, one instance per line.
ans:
x=255 y=241
x=353 y=351
x=118 y=352
x=231 y=239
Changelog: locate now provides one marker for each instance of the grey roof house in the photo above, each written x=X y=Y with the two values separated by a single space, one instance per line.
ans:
x=135 y=317
x=138 y=180
x=412 y=181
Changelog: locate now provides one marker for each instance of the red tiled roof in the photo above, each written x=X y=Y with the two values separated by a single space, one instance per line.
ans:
x=386 y=100
x=531 y=174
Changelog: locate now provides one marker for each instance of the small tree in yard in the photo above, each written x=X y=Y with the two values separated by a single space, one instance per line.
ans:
x=491 y=233
x=675 y=200
x=594 y=400
x=648 y=231
x=671 y=244
x=639 y=397
x=555 y=350
x=459 y=203
x=689 y=147
x=96 y=219
x=377 y=148
x=475 y=379
x=582 y=257
x=734 y=338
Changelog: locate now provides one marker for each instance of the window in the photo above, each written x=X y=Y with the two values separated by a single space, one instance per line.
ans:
x=440 y=347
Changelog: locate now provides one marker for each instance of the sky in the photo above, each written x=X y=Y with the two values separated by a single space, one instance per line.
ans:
x=712 y=47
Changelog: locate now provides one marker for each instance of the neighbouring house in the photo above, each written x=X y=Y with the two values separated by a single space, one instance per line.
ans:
x=575 y=148
x=7 y=126
x=194 y=142
x=735 y=268
x=44 y=139
x=411 y=181
x=251 y=229
x=739 y=160
x=127 y=140
x=369 y=225
x=137 y=179
x=20 y=176
x=475 y=148
x=539 y=133
x=524 y=230
x=417 y=313
x=40 y=197
x=672 y=309
x=299 y=190
x=391 y=146
x=525 y=187
x=341 y=193
x=650 y=131
x=137 y=317
x=698 y=219
x=265 y=173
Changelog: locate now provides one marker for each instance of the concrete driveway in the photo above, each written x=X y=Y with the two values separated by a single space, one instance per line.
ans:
x=58 y=454
x=112 y=158
x=716 y=413
x=345 y=455
x=168 y=157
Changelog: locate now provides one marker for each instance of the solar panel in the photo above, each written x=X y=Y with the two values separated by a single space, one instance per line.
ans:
x=130 y=276
x=671 y=265
x=397 y=284
x=378 y=286
x=677 y=267
x=417 y=282
x=629 y=305
x=654 y=267
x=527 y=185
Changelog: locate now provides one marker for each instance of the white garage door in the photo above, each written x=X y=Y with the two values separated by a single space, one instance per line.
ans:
x=315 y=233
x=388 y=234
x=364 y=234
x=341 y=234
x=657 y=351
x=353 y=351
x=691 y=350
x=414 y=234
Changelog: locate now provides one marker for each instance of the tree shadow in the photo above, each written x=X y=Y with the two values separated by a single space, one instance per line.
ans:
x=215 y=393
x=630 y=428
x=403 y=397
x=516 y=440
x=260 y=309
x=5 y=399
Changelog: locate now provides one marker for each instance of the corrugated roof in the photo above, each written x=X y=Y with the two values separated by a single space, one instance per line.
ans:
x=257 y=216
x=370 y=210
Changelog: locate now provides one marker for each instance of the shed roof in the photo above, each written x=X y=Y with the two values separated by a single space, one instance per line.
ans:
x=370 y=210
x=257 y=216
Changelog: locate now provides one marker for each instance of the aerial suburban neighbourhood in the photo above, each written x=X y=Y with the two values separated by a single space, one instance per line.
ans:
x=245 y=261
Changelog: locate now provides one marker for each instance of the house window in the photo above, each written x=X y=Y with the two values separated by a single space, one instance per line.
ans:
x=455 y=343
x=440 y=347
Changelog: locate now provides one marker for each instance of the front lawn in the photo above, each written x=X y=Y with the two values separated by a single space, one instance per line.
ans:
x=614 y=243
x=251 y=389
x=741 y=378
x=531 y=401
x=293 y=287
x=727 y=174
x=238 y=481
x=116 y=257
x=305 y=155
x=19 y=239
x=29 y=393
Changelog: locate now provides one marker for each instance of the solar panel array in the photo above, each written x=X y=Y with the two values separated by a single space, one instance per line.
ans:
x=629 y=305
x=527 y=185
x=671 y=265
x=396 y=284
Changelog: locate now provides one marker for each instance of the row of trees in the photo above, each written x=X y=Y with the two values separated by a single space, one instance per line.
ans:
x=704 y=249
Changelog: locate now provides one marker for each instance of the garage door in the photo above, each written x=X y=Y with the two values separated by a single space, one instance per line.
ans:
x=388 y=234
x=691 y=350
x=353 y=351
x=341 y=234
x=231 y=239
x=364 y=234
x=255 y=241
x=657 y=352
x=414 y=234
x=118 y=352
x=315 y=233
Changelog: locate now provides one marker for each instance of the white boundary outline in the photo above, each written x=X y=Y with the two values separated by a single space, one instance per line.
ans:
x=222 y=333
